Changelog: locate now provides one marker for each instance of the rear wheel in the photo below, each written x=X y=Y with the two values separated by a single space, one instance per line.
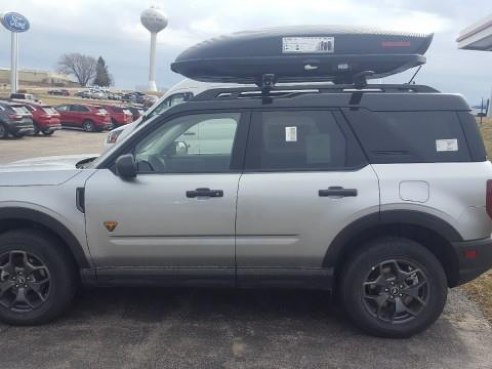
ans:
x=37 y=277
x=88 y=126
x=393 y=287
x=3 y=131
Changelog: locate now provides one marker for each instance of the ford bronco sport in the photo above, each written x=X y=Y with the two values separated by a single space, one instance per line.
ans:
x=382 y=193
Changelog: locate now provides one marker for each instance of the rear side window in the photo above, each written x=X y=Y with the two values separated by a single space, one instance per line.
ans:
x=299 y=140
x=410 y=137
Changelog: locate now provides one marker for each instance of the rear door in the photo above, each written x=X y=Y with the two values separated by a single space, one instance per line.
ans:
x=65 y=114
x=79 y=114
x=305 y=180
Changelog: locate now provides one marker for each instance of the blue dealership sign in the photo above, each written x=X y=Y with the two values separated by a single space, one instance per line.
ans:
x=15 y=22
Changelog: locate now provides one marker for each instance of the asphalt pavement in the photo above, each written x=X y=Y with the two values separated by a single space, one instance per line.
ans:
x=216 y=328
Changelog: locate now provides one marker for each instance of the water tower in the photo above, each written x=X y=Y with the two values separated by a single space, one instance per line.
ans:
x=155 y=21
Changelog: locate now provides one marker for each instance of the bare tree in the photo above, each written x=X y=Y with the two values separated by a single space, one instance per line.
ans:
x=83 y=67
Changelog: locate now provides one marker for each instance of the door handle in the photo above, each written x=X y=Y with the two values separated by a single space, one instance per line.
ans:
x=204 y=192
x=337 y=191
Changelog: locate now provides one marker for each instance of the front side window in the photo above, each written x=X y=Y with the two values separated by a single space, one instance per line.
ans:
x=199 y=143
x=62 y=108
x=296 y=140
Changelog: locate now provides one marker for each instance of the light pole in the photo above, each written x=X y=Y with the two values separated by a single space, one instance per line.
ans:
x=155 y=21
x=15 y=23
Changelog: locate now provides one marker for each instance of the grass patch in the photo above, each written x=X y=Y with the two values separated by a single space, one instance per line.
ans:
x=480 y=290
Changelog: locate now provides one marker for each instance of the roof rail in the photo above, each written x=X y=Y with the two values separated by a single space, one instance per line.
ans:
x=291 y=90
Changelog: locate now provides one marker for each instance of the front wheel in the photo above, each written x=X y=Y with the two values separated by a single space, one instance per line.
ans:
x=48 y=132
x=36 y=129
x=88 y=126
x=37 y=277
x=393 y=287
x=3 y=131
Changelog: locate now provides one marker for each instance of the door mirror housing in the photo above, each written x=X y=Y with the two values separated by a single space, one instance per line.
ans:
x=126 y=167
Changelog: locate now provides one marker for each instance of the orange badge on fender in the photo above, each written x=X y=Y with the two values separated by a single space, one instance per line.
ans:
x=110 y=225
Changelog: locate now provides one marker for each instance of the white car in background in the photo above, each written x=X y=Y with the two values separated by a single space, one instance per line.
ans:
x=179 y=93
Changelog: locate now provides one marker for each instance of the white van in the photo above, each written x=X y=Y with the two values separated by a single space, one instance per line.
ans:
x=179 y=93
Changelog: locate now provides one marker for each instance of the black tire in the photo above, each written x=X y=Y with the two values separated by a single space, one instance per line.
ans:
x=48 y=132
x=3 y=131
x=88 y=126
x=55 y=277
x=114 y=124
x=36 y=129
x=392 y=306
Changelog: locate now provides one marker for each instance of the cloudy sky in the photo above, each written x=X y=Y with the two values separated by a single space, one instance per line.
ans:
x=111 y=28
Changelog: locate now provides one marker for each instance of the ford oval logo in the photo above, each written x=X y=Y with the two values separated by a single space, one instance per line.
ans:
x=15 y=22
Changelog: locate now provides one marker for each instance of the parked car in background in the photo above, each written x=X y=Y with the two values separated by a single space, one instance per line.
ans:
x=98 y=95
x=89 y=118
x=15 y=120
x=24 y=97
x=83 y=94
x=119 y=115
x=178 y=94
x=59 y=92
x=134 y=97
x=46 y=119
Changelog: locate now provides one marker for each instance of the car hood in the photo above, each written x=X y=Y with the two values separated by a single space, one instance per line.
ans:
x=46 y=171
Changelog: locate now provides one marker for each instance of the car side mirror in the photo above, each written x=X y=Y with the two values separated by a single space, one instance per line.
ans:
x=126 y=167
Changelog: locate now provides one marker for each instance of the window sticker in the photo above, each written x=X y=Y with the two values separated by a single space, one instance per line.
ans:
x=447 y=145
x=290 y=134
x=308 y=45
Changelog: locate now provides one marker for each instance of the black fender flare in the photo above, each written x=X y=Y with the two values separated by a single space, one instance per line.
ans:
x=37 y=217
x=388 y=217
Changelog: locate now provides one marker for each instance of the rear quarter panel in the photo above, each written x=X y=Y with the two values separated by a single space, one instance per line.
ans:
x=455 y=192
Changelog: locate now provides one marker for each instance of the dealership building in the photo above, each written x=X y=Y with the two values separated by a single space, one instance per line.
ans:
x=478 y=37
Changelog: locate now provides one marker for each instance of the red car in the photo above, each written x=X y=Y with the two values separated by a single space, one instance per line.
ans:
x=119 y=116
x=46 y=118
x=89 y=118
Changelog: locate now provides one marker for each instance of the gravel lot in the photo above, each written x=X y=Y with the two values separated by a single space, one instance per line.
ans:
x=214 y=328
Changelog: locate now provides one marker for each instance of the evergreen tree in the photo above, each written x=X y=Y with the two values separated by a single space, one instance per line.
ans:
x=103 y=78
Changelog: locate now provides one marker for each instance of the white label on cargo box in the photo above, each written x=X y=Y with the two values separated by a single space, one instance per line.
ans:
x=290 y=134
x=447 y=144
x=306 y=45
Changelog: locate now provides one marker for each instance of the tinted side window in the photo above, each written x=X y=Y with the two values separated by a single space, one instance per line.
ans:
x=410 y=137
x=297 y=140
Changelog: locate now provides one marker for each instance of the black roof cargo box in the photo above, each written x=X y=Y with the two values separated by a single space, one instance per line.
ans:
x=302 y=54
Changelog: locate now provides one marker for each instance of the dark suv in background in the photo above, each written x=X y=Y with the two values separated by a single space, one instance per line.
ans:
x=15 y=120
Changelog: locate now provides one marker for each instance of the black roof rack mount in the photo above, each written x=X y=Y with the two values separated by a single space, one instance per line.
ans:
x=303 y=54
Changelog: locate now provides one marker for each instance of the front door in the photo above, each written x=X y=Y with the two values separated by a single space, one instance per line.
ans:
x=179 y=212
x=305 y=180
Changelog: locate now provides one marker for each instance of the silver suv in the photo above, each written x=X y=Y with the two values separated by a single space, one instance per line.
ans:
x=381 y=194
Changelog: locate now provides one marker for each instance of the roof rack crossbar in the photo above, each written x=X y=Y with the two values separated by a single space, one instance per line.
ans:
x=236 y=92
